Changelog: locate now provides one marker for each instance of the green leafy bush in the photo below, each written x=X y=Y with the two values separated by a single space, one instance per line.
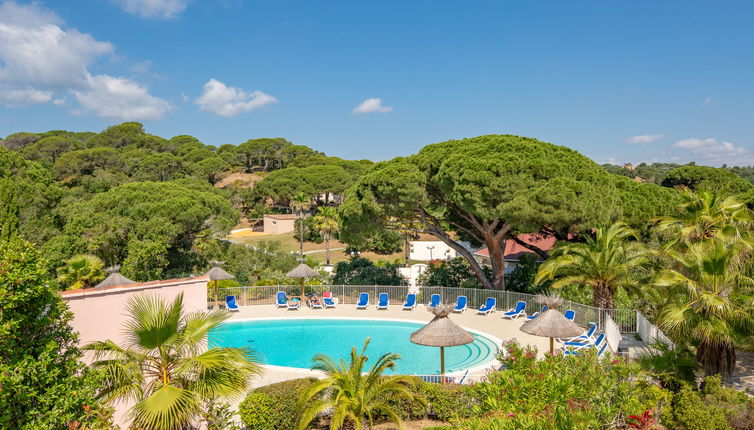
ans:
x=559 y=392
x=713 y=407
x=273 y=406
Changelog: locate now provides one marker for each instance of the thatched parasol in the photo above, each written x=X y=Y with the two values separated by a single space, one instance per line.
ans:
x=302 y=271
x=114 y=278
x=442 y=332
x=551 y=323
x=216 y=274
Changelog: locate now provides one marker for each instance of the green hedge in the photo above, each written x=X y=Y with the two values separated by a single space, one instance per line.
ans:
x=273 y=406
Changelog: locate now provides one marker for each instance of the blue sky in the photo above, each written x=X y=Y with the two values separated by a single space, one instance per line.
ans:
x=618 y=81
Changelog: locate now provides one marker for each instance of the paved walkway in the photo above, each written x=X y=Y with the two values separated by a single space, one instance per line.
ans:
x=491 y=324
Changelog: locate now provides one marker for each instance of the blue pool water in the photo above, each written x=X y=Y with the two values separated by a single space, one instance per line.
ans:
x=293 y=343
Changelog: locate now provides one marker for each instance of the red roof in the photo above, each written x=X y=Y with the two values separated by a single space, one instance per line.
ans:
x=514 y=251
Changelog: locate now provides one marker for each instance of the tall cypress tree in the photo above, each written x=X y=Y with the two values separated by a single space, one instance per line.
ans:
x=9 y=209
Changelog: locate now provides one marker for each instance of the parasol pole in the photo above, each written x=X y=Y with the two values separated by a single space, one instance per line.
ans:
x=442 y=365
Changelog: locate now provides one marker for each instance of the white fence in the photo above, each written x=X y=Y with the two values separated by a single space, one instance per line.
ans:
x=625 y=319
x=649 y=333
x=612 y=333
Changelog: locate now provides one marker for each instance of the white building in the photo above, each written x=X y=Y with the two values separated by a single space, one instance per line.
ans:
x=426 y=250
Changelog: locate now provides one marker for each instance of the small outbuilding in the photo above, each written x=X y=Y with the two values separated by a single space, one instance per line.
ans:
x=279 y=223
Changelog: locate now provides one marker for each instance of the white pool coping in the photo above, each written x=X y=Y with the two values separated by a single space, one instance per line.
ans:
x=489 y=364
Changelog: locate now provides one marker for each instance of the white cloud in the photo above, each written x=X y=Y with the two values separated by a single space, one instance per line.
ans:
x=154 y=8
x=712 y=150
x=372 y=105
x=223 y=100
x=120 y=99
x=16 y=97
x=39 y=59
x=644 y=138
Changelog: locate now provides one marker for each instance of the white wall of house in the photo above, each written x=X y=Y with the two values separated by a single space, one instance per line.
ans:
x=412 y=273
x=426 y=250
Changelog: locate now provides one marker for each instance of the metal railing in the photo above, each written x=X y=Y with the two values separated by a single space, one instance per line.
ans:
x=625 y=319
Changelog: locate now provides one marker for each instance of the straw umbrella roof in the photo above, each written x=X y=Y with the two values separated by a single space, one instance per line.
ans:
x=302 y=271
x=551 y=323
x=115 y=278
x=441 y=331
x=217 y=273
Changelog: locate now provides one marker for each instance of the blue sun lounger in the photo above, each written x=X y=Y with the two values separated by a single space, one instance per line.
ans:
x=281 y=299
x=575 y=346
x=570 y=314
x=461 y=302
x=383 y=301
x=230 y=303
x=410 y=303
x=519 y=310
x=363 y=301
x=536 y=314
x=600 y=344
x=434 y=301
x=294 y=304
x=488 y=306
x=587 y=336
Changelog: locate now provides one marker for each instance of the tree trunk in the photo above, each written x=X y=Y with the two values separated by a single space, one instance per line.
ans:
x=716 y=358
x=465 y=253
x=301 y=234
x=496 y=249
x=603 y=296
x=327 y=250
x=407 y=246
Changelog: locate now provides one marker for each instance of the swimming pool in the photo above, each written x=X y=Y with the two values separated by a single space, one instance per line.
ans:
x=293 y=343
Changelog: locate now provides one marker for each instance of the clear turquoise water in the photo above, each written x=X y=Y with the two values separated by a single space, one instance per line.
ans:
x=293 y=343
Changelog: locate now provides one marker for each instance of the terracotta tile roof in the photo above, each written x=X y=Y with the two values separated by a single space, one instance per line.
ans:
x=166 y=282
x=280 y=216
x=514 y=251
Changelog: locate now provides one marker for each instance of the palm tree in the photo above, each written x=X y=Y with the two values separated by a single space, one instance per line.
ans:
x=704 y=215
x=327 y=222
x=299 y=204
x=355 y=396
x=165 y=368
x=605 y=263
x=81 y=271
x=709 y=295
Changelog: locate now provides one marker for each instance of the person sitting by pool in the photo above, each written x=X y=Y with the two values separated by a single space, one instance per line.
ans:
x=313 y=301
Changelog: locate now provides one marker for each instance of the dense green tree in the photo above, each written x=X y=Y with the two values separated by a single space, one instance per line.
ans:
x=198 y=154
x=327 y=223
x=612 y=259
x=44 y=385
x=210 y=168
x=159 y=167
x=9 y=209
x=20 y=140
x=316 y=182
x=353 y=394
x=164 y=366
x=360 y=271
x=484 y=189
x=149 y=227
x=264 y=153
x=76 y=167
x=700 y=178
x=36 y=195
x=48 y=149
x=81 y=271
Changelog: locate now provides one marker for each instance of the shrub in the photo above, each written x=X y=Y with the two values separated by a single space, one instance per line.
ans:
x=713 y=407
x=561 y=392
x=273 y=406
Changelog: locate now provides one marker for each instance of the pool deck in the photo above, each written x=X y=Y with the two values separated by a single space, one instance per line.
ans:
x=491 y=324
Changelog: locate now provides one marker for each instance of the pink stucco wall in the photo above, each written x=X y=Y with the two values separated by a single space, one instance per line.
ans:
x=100 y=314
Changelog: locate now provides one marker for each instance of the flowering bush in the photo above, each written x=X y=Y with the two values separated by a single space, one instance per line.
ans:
x=559 y=392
